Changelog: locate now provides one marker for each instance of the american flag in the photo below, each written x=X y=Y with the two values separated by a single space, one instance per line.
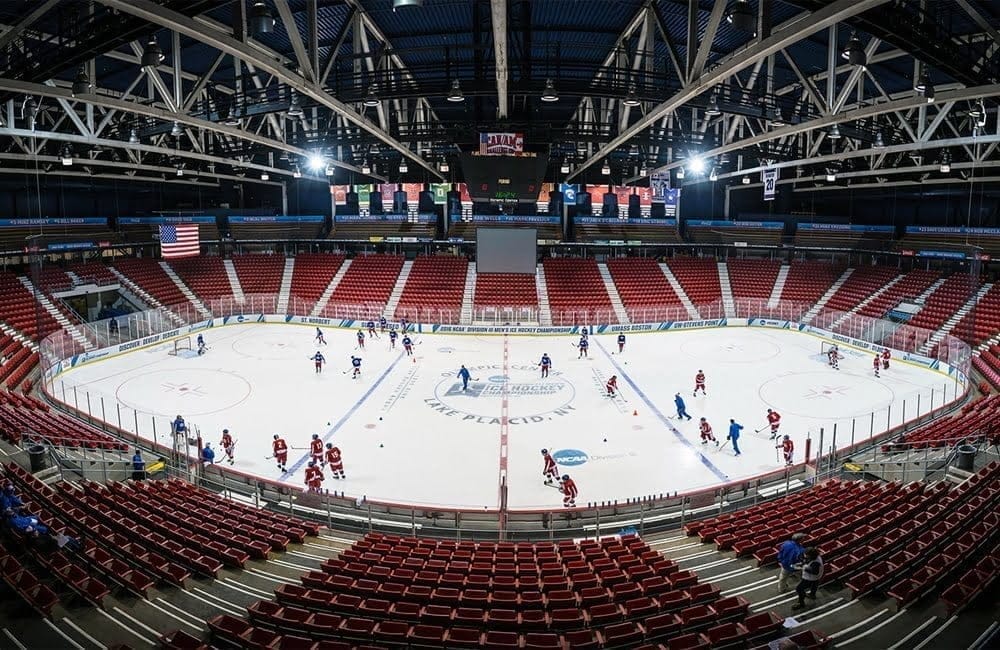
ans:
x=179 y=240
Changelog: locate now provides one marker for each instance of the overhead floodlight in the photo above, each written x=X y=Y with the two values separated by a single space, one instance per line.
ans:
x=831 y=176
x=398 y=4
x=133 y=137
x=81 y=85
x=371 y=99
x=643 y=170
x=294 y=108
x=550 y=94
x=777 y=119
x=978 y=110
x=879 y=142
x=296 y=172
x=854 y=53
x=581 y=147
x=605 y=169
x=180 y=171
x=631 y=96
x=746 y=180
x=712 y=110
x=176 y=130
x=713 y=176
x=152 y=55
x=834 y=132
x=945 y=166
x=366 y=168
x=455 y=93
x=403 y=167
x=66 y=158
x=261 y=19
x=680 y=173
x=697 y=165
x=921 y=82
x=564 y=168
x=929 y=93
x=316 y=162
x=742 y=17
x=264 y=176
x=329 y=170
x=444 y=167
x=634 y=150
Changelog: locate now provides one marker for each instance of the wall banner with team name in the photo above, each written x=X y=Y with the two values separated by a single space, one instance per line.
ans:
x=770 y=179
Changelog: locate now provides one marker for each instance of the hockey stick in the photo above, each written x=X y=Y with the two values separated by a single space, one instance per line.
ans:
x=722 y=446
x=300 y=448
x=552 y=485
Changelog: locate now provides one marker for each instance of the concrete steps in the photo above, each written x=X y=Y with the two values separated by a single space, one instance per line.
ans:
x=397 y=291
x=922 y=298
x=234 y=281
x=825 y=298
x=779 y=286
x=542 y=289
x=616 y=299
x=60 y=317
x=727 y=291
x=679 y=290
x=950 y=324
x=144 y=296
x=198 y=304
x=858 y=307
x=330 y=288
x=285 y=291
x=465 y=316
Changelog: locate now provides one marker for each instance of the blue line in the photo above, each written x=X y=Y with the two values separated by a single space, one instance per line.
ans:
x=300 y=462
x=687 y=443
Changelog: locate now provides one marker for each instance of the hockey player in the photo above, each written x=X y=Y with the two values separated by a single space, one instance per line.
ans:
x=699 y=382
x=403 y=325
x=408 y=345
x=392 y=339
x=681 y=408
x=319 y=337
x=280 y=449
x=546 y=364
x=201 y=345
x=335 y=461
x=706 y=433
x=773 y=419
x=621 y=343
x=361 y=340
x=316 y=449
x=568 y=488
x=583 y=345
x=886 y=355
x=833 y=358
x=463 y=374
x=734 y=435
x=612 y=386
x=876 y=364
x=356 y=363
x=787 y=448
x=371 y=328
x=314 y=477
x=382 y=323
x=584 y=332
x=319 y=359
x=228 y=446
x=549 y=471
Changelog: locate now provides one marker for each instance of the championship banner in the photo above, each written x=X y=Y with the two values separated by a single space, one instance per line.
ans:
x=569 y=192
x=440 y=192
x=770 y=180
x=413 y=191
x=659 y=183
x=340 y=193
x=501 y=144
x=364 y=195
x=671 y=198
x=388 y=191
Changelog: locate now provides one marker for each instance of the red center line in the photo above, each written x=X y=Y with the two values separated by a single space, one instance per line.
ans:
x=504 y=429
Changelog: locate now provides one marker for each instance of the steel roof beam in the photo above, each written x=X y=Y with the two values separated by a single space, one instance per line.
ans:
x=791 y=31
x=264 y=60
x=498 y=15
x=292 y=30
x=15 y=30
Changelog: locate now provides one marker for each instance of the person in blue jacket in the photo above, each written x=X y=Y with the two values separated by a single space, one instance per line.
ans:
x=681 y=408
x=207 y=454
x=789 y=554
x=463 y=374
x=138 y=466
x=734 y=434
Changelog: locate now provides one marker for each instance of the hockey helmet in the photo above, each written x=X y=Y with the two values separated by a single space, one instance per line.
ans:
x=565 y=477
x=545 y=451
x=315 y=436
x=275 y=436
x=329 y=445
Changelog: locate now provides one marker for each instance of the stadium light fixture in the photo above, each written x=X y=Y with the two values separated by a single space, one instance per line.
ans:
x=176 y=130
x=879 y=142
x=455 y=94
x=697 y=165
x=564 y=168
x=712 y=110
x=296 y=172
x=261 y=19
x=834 y=132
x=831 y=177
x=265 y=176
x=550 y=94
x=180 y=171
x=631 y=96
x=713 y=176
x=294 y=108
x=366 y=168
x=742 y=17
x=680 y=173
x=945 y=163
x=316 y=162
x=152 y=55
x=81 y=85
x=403 y=167
x=929 y=93
x=920 y=83
x=133 y=137
x=371 y=99
x=854 y=53
x=605 y=169
x=746 y=180
x=643 y=170
x=444 y=167
x=66 y=157
x=329 y=170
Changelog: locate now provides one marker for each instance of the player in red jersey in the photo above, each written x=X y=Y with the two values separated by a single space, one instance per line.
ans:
x=706 y=432
x=320 y=360
x=280 y=449
x=612 y=385
x=549 y=471
x=335 y=461
x=316 y=449
x=886 y=355
x=876 y=364
x=833 y=357
x=787 y=448
x=568 y=488
x=228 y=446
x=774 y=419
x=699 y=382
x=314 y=477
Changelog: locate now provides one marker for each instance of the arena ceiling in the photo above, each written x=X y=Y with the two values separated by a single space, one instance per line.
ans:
x=199 y=91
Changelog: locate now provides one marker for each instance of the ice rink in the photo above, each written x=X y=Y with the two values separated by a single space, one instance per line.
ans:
x=409 y=433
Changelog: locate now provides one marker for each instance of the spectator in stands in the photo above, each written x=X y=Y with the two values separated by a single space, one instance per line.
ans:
x=207 y=454
x=9 y=499
x=812 y=572
x=789 y=554
x=138 y=466
x=25 y=524
x=113 y=326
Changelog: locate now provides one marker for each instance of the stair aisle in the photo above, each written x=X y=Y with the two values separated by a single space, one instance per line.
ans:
x=465 y=317
x=863 y=303
x=285 y=292
x=779 y=285
x=234 y=281
x=397 y=290
x=44 y=301
x=727 y=291
x=330 y=288
x=811 y=314
x=950 y=324
x=679 y=290
x=616 y=299
x=198 y=304
x=145 y=296
x=544 y=308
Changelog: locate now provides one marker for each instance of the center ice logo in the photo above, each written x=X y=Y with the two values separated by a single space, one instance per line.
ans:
x=570 y=457
x=530 y=398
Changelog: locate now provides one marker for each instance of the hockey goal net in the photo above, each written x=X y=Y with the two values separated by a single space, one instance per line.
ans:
x=826 y=346
x=183 y=343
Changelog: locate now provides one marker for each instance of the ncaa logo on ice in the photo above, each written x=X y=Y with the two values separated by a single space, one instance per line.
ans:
x=570 y=457
x=532 y=399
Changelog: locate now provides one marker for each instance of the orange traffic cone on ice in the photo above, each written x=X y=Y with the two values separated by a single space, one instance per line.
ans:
x=635 y=412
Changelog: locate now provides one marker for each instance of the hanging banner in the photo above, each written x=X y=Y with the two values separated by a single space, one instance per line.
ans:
x=364 y=195
x=340 y=193
x=413 y=191
x=569 y=192
x=659 y=183
x=501 y=144
x=440 y=192
x=388 y=194
x=671 y=198
x=770 y=179
x=645 y=196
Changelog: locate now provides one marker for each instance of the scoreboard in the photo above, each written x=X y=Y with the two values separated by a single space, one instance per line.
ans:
x=504 y=179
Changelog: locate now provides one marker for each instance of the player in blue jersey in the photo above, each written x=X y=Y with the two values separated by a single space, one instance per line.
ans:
x=201 y=345
x=382 y=323
x=319 y=337
x=681 y=407
x=403 y=324
x=392 y=339
x=361 y=340
x=319 y=359
x=584 y=332
x=621 y=343
x=356 y=362
x=371 y=328
x=734 y=434
x=583 y=345
x=408 y=345
x=463 y=374
x=546 y=364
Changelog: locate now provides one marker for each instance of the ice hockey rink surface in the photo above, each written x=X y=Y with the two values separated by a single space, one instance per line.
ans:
x=410 y=434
